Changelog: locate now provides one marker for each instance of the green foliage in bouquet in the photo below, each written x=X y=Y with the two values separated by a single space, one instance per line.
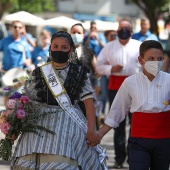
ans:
x=21 y=116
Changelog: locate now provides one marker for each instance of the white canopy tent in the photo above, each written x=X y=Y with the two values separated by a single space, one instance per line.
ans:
x=25 y=17
x=35 y=23
x=61 y=22
x=102 y=25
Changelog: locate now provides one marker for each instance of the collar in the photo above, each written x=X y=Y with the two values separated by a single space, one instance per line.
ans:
x=146 y=34
x=146 y=78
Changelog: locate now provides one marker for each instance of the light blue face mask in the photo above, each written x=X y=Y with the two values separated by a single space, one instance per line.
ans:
x=77 y=38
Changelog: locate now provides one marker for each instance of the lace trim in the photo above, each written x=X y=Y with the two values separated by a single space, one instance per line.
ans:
x=73 y=84
x=87 y=97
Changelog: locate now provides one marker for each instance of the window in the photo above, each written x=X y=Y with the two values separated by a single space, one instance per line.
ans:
x=128 y=1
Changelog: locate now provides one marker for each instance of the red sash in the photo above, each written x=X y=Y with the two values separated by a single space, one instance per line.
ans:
x=115 y=82
x=150 y=125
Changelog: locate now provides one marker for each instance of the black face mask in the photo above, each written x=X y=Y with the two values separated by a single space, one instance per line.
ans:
x=124 y=34
x=59 y=56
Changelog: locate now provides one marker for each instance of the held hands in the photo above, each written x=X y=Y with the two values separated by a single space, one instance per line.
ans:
x=93 y=138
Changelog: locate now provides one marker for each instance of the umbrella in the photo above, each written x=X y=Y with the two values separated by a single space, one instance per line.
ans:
x=25 y=17
x=62 y=21
x=103 y=25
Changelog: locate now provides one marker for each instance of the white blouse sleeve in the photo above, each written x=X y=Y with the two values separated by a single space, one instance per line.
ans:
x=87 y=90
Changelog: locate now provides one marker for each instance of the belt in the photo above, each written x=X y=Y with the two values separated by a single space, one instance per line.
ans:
x=151 y=125
x=115 y=82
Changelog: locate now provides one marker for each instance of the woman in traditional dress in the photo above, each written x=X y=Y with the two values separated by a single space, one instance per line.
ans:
x=57 y=87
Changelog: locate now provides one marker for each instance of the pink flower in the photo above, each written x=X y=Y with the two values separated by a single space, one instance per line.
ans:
x=5 y=127
x=9 y=112
x=11 y=103
x=20 y=114
x=24 y=99
x=20 y=105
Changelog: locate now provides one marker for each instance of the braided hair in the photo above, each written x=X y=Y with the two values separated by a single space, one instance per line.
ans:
x=73 y=56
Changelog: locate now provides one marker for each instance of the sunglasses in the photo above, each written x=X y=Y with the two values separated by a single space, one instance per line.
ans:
x=112 y=35
x=17 y=27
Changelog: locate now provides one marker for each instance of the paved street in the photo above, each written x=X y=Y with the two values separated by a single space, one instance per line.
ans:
x=107 y=143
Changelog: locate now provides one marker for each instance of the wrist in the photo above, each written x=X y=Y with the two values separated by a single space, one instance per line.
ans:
x=101 y=133
x=104 y=129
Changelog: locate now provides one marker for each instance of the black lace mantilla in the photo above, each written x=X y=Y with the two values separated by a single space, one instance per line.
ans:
x=73 y=84
x=87 y=58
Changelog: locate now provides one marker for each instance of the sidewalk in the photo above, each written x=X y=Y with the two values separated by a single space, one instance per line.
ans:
x=107 y=142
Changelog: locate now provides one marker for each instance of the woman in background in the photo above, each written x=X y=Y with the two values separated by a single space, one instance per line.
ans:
x=41 y=53
x=87 y=58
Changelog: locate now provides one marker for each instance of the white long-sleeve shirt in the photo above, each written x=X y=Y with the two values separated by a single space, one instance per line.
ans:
x=138 y=94
x=115 y=53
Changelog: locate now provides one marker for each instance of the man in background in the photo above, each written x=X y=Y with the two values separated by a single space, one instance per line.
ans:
x=15 y=50
x=144 y=33
x=94 y=40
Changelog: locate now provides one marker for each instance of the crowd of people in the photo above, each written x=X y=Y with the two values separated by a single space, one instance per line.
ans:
x=89 y=70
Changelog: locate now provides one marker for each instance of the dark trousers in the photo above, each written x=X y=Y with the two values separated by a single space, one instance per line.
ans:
x=119 y=135
x=149 y=153
x=103 y=95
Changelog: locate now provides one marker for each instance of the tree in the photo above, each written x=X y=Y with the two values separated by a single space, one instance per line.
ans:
x=32 y=6
x=152 y=10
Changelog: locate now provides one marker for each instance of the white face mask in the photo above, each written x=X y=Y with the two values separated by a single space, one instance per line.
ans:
x=153 y=67
x=77 y=38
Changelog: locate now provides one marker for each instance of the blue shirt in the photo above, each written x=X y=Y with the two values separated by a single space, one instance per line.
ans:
x=143 y=37
x=30 y=47
x=39 y=52
x=94 y=44
x=14 y=52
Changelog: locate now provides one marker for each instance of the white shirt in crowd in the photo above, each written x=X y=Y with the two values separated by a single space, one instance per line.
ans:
x=138 y=94
x=115 y=53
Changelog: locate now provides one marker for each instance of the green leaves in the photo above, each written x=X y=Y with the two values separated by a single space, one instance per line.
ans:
x=32 y=6
x=28 y=124
x=5 y=149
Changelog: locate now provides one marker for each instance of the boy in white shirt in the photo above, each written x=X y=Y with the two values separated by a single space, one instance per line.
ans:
x=146 y=95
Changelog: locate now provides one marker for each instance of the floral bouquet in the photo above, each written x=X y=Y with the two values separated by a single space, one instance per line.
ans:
x=19 y=117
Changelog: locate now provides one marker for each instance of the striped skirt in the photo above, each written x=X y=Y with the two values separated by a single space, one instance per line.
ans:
x=66 y=150
x=45 y=162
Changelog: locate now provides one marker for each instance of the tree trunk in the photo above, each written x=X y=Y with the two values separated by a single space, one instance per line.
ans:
x=153 y=23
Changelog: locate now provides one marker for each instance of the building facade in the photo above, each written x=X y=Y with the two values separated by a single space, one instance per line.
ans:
x=86 y=9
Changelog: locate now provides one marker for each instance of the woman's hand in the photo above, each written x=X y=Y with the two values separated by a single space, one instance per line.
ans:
x=13 y=138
